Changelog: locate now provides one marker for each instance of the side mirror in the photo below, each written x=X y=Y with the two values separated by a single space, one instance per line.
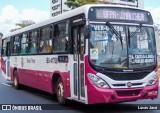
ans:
x=86 y=31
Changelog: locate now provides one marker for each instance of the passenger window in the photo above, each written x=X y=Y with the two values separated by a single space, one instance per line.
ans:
x=60 y=41
x=24 y=43
x=4 y=43
x=46 y=46
x=33 y=42
x=15 y=45
x=45 y=40
x=60 y=45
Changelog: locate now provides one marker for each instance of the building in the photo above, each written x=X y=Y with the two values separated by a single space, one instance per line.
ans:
x=133 y=3
x=1 y=35
x=58 y=7
x=158 y=45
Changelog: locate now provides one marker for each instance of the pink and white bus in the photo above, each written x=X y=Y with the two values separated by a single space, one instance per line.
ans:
x=92 y=54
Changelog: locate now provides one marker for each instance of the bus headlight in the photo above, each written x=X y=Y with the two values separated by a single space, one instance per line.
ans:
x=153 y=80
x=97 y=81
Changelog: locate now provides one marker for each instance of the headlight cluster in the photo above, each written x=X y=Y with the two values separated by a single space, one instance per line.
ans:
x=97 y=81
x=152 y=80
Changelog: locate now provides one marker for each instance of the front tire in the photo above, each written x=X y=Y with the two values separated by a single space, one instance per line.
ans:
x=60 y=92
x=16 y=84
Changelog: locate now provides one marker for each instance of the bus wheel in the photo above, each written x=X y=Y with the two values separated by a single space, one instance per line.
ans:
x=60 y=92
x=16 y=84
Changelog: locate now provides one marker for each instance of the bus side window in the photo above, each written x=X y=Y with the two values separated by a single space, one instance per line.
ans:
x=15 y=44
x=45 y=40
x=4 y=43
x=24 y=43
x=60 y=37
x=33 y=42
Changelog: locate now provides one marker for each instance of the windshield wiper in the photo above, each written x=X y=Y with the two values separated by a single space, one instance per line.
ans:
x=137 y=28
x=121 y=39
x=131 y=35
x=115 y=32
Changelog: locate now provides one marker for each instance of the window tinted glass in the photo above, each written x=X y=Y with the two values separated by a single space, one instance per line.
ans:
x=15 y=44
x=46 y=46
x=4 y=43
x=33 y=42
x=45 y=40
x=60 y=41
x=45 y=33
x=61 y=29
x=60 y=45
x=24 y=38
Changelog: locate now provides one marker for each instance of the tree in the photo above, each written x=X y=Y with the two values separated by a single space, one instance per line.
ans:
x=77 y=3
x=22 y=24
x=25 y=23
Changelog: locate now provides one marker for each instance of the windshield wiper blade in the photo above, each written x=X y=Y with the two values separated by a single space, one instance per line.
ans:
x=121 y=39
x=112 y=29
x=115 y=32
x=137 y=28
x=131 y=35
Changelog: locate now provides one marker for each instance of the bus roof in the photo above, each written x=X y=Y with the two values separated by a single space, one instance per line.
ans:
x=68 y=14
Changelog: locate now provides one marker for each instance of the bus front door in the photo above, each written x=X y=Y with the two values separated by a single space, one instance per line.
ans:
x=78 y=91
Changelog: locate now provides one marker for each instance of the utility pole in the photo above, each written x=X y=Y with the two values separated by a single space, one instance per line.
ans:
x=61 y=7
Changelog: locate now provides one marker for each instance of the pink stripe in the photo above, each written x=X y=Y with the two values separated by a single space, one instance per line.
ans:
x=42 y=80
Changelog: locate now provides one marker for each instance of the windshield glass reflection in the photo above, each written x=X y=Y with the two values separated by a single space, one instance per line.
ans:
x=116 y=50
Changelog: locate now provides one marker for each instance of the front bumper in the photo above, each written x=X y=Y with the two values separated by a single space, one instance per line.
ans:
x=98 y=95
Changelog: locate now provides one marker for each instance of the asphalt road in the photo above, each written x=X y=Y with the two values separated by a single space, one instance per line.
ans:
x=8 y=95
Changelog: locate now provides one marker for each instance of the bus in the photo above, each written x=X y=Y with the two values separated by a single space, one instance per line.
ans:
x=92 y=54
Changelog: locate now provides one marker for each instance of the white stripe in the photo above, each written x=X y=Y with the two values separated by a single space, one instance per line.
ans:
x=6 y=84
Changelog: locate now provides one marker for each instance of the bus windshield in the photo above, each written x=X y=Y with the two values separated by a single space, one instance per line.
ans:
x=133 y=47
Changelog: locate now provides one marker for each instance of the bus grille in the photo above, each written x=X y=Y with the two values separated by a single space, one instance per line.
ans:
x=128 y=93
x=127 y=76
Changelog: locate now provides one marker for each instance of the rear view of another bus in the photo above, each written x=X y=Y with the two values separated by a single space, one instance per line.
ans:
x=122 y=55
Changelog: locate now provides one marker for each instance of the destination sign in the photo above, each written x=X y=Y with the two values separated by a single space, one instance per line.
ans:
x=120 y=14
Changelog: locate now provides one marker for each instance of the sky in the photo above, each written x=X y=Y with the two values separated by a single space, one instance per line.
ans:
x=13 y=11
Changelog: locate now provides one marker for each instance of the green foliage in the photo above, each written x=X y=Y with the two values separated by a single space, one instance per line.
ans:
x=22 y=24
x=25 y=23
x=77 y=3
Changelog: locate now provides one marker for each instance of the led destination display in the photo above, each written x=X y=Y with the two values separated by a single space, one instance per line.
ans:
x=120 y=14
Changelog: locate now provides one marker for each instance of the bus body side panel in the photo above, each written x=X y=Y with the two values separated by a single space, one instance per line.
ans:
x=38 y=71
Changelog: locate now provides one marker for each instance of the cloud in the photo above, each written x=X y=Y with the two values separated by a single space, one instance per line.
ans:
x=155 y=14
x=10 y=16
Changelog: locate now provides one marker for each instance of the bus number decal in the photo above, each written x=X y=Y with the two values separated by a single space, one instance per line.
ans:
x=52 y=60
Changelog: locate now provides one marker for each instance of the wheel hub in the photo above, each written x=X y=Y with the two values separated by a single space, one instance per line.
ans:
x=60 y=91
